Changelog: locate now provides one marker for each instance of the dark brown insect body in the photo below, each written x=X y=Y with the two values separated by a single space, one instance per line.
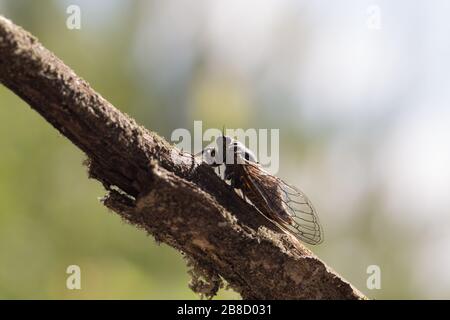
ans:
x=243 y=182
x=284 y=204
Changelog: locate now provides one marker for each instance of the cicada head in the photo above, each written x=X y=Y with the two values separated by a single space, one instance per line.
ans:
x=236 y=152
x=227 y=151
x=211 y=157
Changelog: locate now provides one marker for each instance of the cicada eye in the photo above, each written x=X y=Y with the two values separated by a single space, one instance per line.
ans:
x=210 y=156
x=228 y=140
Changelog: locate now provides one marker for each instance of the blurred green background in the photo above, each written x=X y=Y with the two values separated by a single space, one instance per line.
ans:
x=362 y=112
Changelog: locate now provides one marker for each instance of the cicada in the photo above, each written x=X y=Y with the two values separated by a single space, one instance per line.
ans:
x=280 y=202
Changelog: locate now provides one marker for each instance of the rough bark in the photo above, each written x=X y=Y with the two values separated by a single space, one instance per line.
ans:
x=154 y=186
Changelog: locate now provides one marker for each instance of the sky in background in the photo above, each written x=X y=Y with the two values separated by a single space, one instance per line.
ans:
x=359 y=91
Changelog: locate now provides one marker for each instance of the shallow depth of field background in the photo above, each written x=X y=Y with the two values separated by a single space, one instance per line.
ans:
x=363 y=113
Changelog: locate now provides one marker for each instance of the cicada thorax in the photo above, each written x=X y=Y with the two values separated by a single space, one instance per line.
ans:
x=273 y=208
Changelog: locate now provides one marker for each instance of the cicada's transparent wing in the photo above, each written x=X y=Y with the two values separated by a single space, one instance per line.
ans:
x=285 y=204
x=305 y=222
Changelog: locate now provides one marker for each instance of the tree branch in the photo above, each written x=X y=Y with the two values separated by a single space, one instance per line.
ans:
x=156 y=187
